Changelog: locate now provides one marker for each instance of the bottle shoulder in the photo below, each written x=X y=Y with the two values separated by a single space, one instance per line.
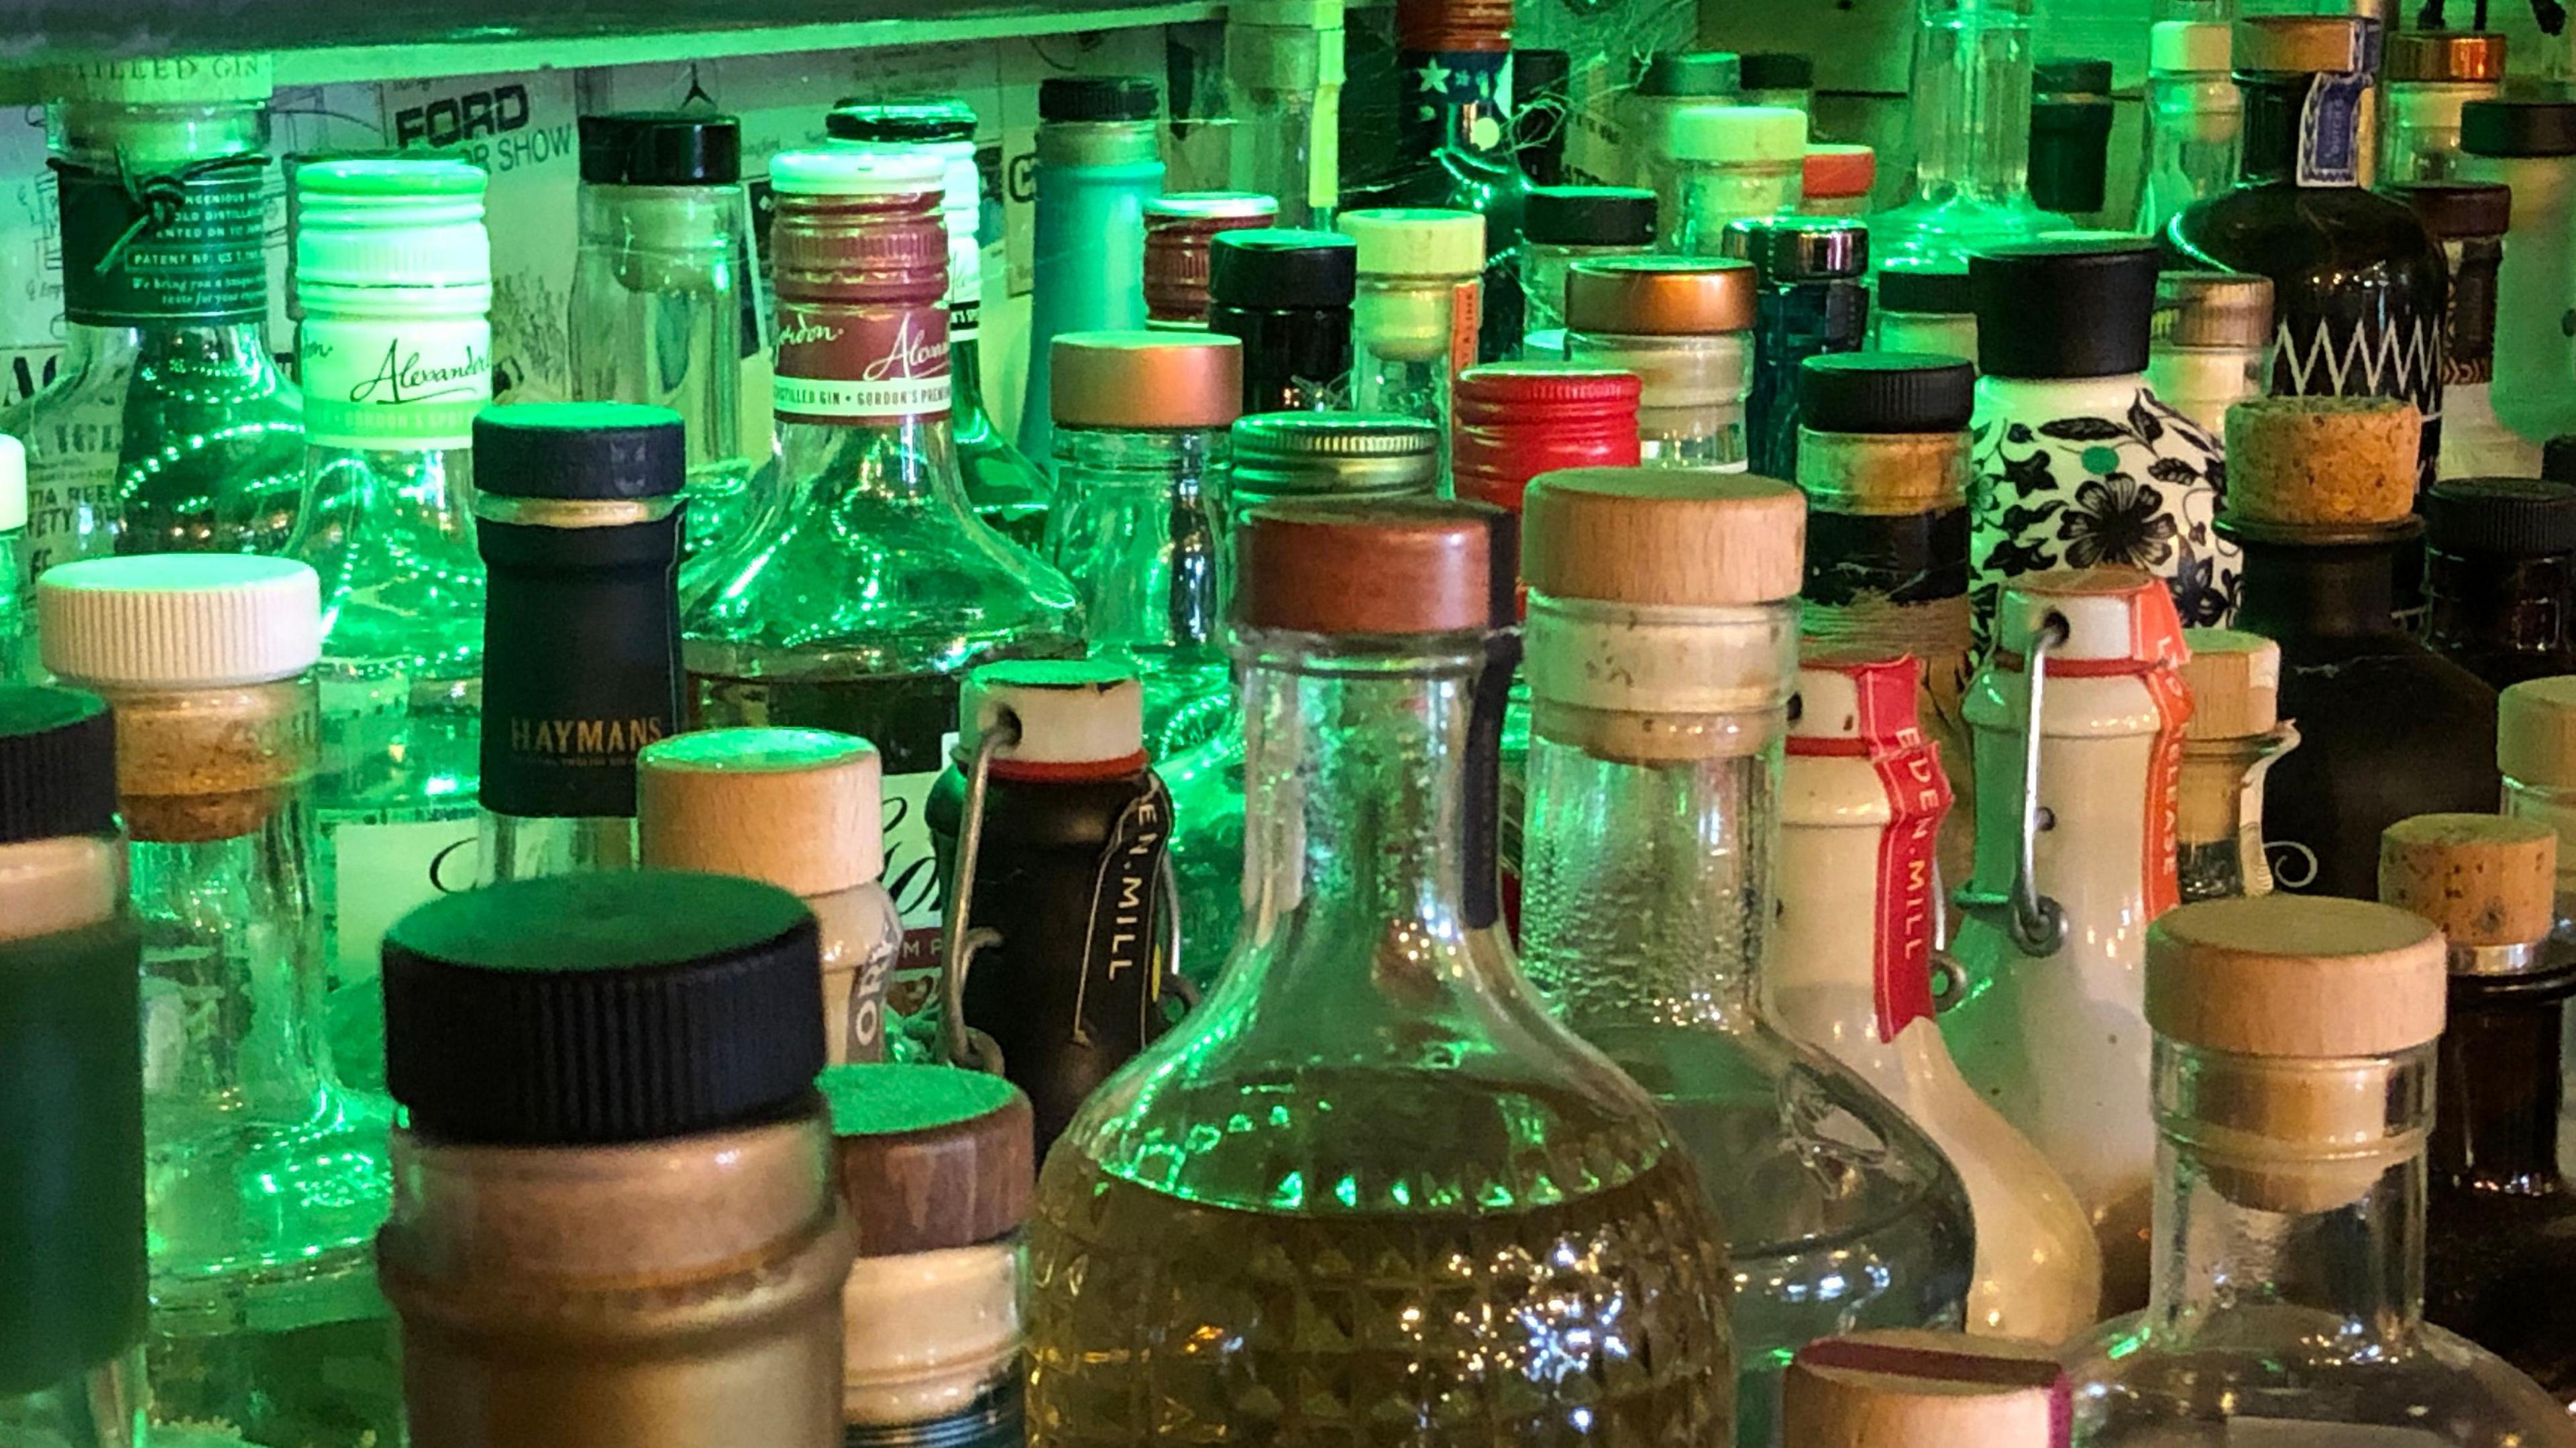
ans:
x=2305 y=237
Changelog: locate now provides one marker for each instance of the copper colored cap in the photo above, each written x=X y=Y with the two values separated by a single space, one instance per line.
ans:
x=1162 y=380
x=1400 y=566
x=1684 y=536
x=1659 y=296
x=2444 y=55
x=1437 y=25
x=2301 y=44
x=930 y=1157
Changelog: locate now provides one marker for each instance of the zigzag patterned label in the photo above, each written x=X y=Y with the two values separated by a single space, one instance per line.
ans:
x=2370 y=360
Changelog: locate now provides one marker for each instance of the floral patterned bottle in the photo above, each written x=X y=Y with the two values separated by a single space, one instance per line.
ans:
x=2077 y=463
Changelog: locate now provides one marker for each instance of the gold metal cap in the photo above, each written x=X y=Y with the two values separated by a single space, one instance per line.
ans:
x=1685 y=536
x=1157 y=380
x=2444 y=55
x=2302 y=45
x=1660 y=296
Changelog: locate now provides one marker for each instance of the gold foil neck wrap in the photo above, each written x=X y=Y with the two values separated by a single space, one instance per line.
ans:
x=1883 y=474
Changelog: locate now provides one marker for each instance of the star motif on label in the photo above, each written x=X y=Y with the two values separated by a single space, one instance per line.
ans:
x=1435 y=76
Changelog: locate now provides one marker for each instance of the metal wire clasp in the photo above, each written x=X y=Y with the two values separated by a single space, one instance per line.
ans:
x=958 y=942
x=2036 y=923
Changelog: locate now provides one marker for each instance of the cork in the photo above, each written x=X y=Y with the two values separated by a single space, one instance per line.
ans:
x=798 y=808
x=2480 y=879
x=2536 y=732
x=1382 y=566
x=1908 y=1388
x=2235 y=680
x=1691 y=537
x=1890 y=474
x=196 y=765
x=2322 y=461
x=2299 y=976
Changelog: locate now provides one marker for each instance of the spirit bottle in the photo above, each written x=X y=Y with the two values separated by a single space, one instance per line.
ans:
x=2293 y=1090
x=169 y=428
x=1672 y=80
x=2536 y=754
x=1099 y=158
x=1283 y=72
x=1368 y=1180
x=1721 y=164
x=2469 y=219
x=2432 y=75
x=1814 y=300
x=2212 y=344
x=1662 y=659
x=1685 y=327
x=1414 y=318
x=17 y=606
x=2195 y=120
x=1903 y=1388
x=1286 y=296
x=1180 y=232
x=2228 y=746
x=2500 y=576
x=1971 y=133
x=2528 y=144
x=1569 y=224
x=2070 y=138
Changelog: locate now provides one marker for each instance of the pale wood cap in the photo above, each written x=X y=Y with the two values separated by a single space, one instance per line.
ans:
x=2536 y=731
x=1914 y=1389
x=2322 y=460
x=2307 y=976
x=1686 y=536
x=798 y=808
x=2481 y=879
x=2235 y=680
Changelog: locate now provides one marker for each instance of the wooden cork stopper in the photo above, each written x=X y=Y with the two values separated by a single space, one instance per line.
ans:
x=2480 y=879
x=798 y=808
x=2536 y=732
x=2235 y=680
x=1908 y=1388
x=1663 y=536
x=1385 y=566
x=2304 y=976
x=930 y=1157
x=2322 y=461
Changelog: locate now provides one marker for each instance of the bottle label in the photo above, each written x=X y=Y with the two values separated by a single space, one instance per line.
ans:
x=383 y=870
x=1120 y=962
x=842 y=364
x=2161 y=886
x=965 y=286
x=183 y=245
x=2330 y=130
x=1466 y=319
x=912 y=878
x=2468 y=353
x=411 y=386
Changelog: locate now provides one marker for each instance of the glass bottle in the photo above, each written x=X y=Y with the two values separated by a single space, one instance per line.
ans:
x=2319 y=493
x=1862 y=802
x=1971 y=133
x=2500 y=576
x=1286 y=296
x=2536 y=754
x=2211 y=343
x=2469 y=219
x=2195 y=120
x=660 y=314
x=873 y=586
x=802 y=809
x=1006 y=489
x=1723 y=164
x=1923 y=310
x=2070 y=137
x=638 y=1049
x=577 y=512
x=1099 y=157
x=1542 y=112
x=2431 y=75
x=1836 y=178
x=1685 y=327
x=265 y=1177
x=2357 y=285
x=1372 y=1120
x=2293 y=1089
x=1414 y=316
x=1778 y=78
x=1283 y=72
x=1180 y=227
x=17 y=605
x=2529 y=144
x=1661 y=664
x=2078 y=462
x=1814 y=300
x=1671 y=80
x=1569 y=224
x=2228 y=745
x=168 y=428
x=1903 y=1388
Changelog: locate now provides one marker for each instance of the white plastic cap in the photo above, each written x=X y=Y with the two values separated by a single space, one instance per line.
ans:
x=1736 y=133
x=13 y=484
x=2187 y=47
x=859 y=171
x=1405 y=241
x=1071 y=711
x=180 y=620
x=385 y=221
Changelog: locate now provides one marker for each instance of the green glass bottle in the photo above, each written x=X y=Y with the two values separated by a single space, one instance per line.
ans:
x=1971 y=125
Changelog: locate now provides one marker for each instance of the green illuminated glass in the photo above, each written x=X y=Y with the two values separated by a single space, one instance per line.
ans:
x=1971 y=123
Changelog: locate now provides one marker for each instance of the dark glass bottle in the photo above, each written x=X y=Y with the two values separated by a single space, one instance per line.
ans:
x=1542 y=113
x=2357 y=284
x=2070 y=136
x=1813 y=300
x=1286 y=296
x=2499 y=576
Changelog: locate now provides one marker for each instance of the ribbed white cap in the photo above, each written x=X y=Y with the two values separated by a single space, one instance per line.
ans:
x=384 y=221
x=858 y=171
x=1409 y=241
x=2187 y=47
x=1736 y=133
x=180 y=620
x=1071 y=711
x=13 y=484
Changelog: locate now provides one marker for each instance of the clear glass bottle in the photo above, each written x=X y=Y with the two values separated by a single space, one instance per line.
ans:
x=2210 y=346
x=1971 y=132
x=2228 y=745
x=17 y=605
x=1414 y=316
x=169 y=427
x=1372 y=1117
x=2293 y=1090
x=1836 y=179
x=1099 y=158
x=1283 y=75
x=1920 y=309
x=1180 y=228
x=1685 y=327
x=2195 y=120
x=2430 y=76
x=1904 y=1388
x=1286 y=296
x=1662 y=658
x=2529 y=144
x=1569 y=224
x=659 y=302
x=2536 y=754
x=1725 y=163
x=2500 y=576
x=1814 y=301
x=2469 y=220
x=265 y=1177
x=1672 y=80
x=873 y=586
x=2070 y=138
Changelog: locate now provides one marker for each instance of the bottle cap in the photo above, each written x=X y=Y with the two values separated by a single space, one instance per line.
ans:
x=1097 y=98
x=2515 y=517
x=1799 y=248
x=1409 y=241
x=1511 y=421
x=1146 y=380
x=1179 y=226
x=1282 y=267
x=1659 y=296
x=2189 y=47
x=596 y=1009
x=179 y=620
x=2235 y=680
x=1885 y=392
x=2520 y=127
x=857 y=172
x=1735 y=135
x=57 y=765
x=2112 y=615
x=1924 y=289
x=2536 y=732
x=2482 y=880
x=2213 y=309
x=2295 y=976
x=1070 y=711
x=1378 y=566
x=2321 y=462
x=918 y=123
x=241 y=79
x=2456 y=209
x=1688 y=73
x=1839 y=170
x=1652 y=536
x=2063 y=308
x=1777 y=70
x=661 y=148
x=1211 y=206
x=1905 y=1388
x=2558 y=460
x=930 y=1158
x=1590 y=216
x=387 y=221
x=1334 y=454
x=2443 y=55
x=13 y=484
x=2071 y=75
x=799 y=808
x=1453 y=25
x=2305 y=45
x=593 y=451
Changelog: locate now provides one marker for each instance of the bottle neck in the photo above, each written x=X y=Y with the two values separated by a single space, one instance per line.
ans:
x=2218 y=814
x=2303 y=130
x=2483 y=604
x=1135 y=527
x=864 y=398
x=2328 y=590
x=1458 y=102
x=1972 y=64
x=2501 y=1078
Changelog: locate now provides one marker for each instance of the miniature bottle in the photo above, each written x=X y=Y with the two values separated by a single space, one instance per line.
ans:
x=1685 y=327
x=2228 y=745
x=2431 y=75
x=1921 y=309
x=2211 y=344
x=1899 y=1388
x=1180 y=229
x=1725 y=163
x=2469 y=219
x=17 y=602
x=2070 y=137
x=2500 y=576
x=2536 y=754
x=1971 y=133
x=1672 y=80
x=1099 y=157
x=1569 y=224
x=1814 y=300
x=1286 y=296
x=1777 y=78
x=1836 y=178
x=1414 y=316
x=1284 y=71
x=2529 y=144
x=1372 y=1094
x=2195 y=120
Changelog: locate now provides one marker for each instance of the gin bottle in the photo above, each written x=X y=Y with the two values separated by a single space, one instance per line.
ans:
x=1971 y=125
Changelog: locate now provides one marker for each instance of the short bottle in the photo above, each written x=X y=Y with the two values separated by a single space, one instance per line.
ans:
x=1414 y=316
x=1862 y=805
x=1777 y=78
x=2431 y=75
x=1671 y=80
x=1720 y=164
x=2470 y=220
x=2234 y=733
x=1284 y=69
x=2211 y=344
x=1814 y=300
x=1924 y=309
x=2195 y=120
x=1836 y=178
x=17 y=602
x=2536 y=754
x=2294 y=1086
x=1180 y=229
x=1569 y=224
x=1099 y=157
x=2070 y=137
x=1685 y=327
x=637 y=1049
x=1286 y=296
x=2500 y=576
x=2529 y=144
x=1895 y=1388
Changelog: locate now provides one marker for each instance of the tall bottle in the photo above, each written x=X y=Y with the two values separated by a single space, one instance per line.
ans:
x=1006 y=489
x=265 y=1177
x=2432 y=75
x=2500 y=576
x=2234 y=734
x=1099 y=156
x=1283 y=73
x=1861 y=806
x=1971 y=132
x=2536 y=754
x=1287 y=297
x=1895 y=1388
x=2470 y=219
x=2084 y=696
x=2500 y=1218
x=1814 y=300
x=659 y=298
x=2195 y=120
x=1661 y=664
x=1372 y=1108
x=873 y=586
x=2528 y=143
x=169 y=428
x=1414 y=318
x=1685 y=327
x=2293 y=1090
x=2319 y=493
x=636 y=1049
